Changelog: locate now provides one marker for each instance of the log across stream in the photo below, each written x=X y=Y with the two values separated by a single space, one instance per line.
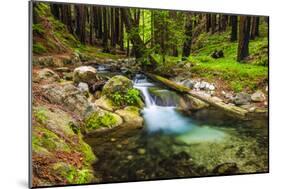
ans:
x=172 y=144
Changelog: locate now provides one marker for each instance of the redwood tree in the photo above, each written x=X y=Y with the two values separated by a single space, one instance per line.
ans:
x=244 y=36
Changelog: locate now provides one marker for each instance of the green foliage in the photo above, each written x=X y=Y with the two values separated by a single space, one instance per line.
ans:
x=97 y=120
x=131 y=97
x=39 y=48
x=72 y=174
x=38 y=29
x=40 y=115
x=48 y=140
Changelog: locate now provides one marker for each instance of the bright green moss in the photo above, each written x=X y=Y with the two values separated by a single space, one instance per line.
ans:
x=39 y=48
x=97 y=120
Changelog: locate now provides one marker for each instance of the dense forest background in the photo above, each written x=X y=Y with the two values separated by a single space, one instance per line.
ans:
x=233 y=47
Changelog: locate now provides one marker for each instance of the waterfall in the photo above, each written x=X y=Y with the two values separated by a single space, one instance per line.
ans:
x=142 y=84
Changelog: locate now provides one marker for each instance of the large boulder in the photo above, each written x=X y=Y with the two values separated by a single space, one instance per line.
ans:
x=258 y=96
x=69 y=97
x=86 y=74
x=117 y=83
x=131 y=116
x=242 y=98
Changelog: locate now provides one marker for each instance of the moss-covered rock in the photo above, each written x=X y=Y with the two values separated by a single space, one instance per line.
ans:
x=106 y=104
x=117 y=83
x=101 y=120
x=58 y=149
x=119 y=91
x=131 y=116
x=72 y=174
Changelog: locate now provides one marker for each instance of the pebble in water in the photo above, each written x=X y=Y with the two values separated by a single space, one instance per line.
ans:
x=141 y=151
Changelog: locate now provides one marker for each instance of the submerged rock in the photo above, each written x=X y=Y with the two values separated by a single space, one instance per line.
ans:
x=226 y=168
x=258 y=96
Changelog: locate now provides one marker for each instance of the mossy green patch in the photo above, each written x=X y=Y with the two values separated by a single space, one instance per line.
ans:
x=45 y=138
x=39 y=48
x=101 y=119
x=72 y=174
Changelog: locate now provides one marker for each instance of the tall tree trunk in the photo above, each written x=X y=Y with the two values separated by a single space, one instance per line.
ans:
x=81 y=22
x=135 y=37
x=244 y=36
x=55 y=10
x=213 y=23
x=105 y=30
x=234 y=27
x=208 y=22
x=188 y=34
x=91 y=20
x=255 y=27
x=121 y=31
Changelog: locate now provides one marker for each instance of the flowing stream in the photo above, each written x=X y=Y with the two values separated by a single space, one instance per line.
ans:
x=173 y=145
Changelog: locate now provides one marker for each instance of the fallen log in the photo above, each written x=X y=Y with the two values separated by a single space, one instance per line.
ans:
x=229 y=109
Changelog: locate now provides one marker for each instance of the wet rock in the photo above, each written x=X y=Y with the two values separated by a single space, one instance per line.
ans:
x=190 y=103
x=69 y=96
x=258 y=96
x=113 y=139
x=86 y=74
x=131 y=116
x=188 y=83
x=46 y=75
x=242 y=99
x=226 y=168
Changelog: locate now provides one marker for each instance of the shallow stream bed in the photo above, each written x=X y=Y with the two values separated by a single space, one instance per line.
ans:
x=173 y=145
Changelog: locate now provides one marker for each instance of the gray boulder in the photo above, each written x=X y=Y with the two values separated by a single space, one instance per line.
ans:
x=69 y=97
x=242 y=98
x=86 y=74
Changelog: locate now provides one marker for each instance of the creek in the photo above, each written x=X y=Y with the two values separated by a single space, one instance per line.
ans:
x=173 y=145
